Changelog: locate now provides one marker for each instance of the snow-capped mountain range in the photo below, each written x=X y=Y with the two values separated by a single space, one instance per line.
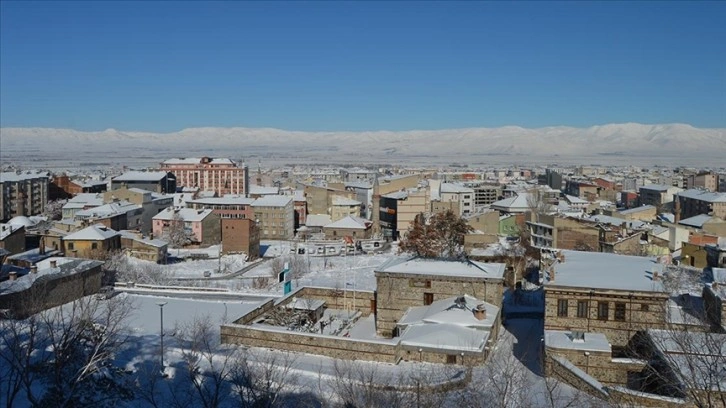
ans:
x=622 y=140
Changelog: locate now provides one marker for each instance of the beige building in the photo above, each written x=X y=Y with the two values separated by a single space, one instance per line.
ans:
x=694 y=202
x=276 y=217
x=320 y=199
x=403 y=283
x=23 y=193
x=220 y=175
x=344 y=207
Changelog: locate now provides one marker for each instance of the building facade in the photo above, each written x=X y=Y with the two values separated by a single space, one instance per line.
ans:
x=276 y=216
x=23 y=193
x=222 y=176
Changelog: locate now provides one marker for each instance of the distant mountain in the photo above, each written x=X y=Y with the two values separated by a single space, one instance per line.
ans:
x=622 y=140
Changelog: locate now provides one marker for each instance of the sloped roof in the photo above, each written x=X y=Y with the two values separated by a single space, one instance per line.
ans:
x=141 y=176
x=93 y=233
x=443 y=267
x=517 y=203
x=337 y=200
x=455 y=188
x=7 y=229
x=447 y=311
x=22 y=221
x=703 y=195
x=350 y=222
x=317 y=220
x=696 y=221
x=186 y=214
x=272 y=201
x=636 y=210
x=108 y=210
x=444 y=336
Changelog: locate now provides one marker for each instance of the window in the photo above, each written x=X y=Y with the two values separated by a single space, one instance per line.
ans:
x=620 y=312
x=70 y=245
x=562 y=308
x=451 y=359
x=582 y=308
x=644 y=307
x=94 y=245
x=602 y=310
x=428 y=299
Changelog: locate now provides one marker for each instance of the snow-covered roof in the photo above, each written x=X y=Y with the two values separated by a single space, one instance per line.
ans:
x=197 y=160
x=455 y=188
x=159 y=243
x=7 y=229
x=637 y=209
x=703 y=195
x=141 y=176
x=22 y=221
x=225 y=200
x=656 y=187
x=397 y=195
x=11 y=176
x=305 y=304
x=96 y=232
x=358 y=184
x=590 y=341
x=514 y=204
x=443 y=267
x=696 y=221
x=264 y=190
x=448 y=311
x=85 y=199
x=344 y=201
x=272 y=201
x=350 y=222
x=108 y=210
x=597 y=270
x=317 y=220
x=444 y=337
x=65 y=266
x=186 y=214
x=575 y=200
x=606 y=219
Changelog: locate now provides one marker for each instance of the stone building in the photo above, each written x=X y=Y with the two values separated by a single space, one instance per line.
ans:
x=92 y=242
x=50 y=283
x=12 y=238
x=409 y=282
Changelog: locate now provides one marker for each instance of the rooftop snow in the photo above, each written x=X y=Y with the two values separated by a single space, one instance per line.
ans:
x=65 y=266
x=349 y=222
x=606 y=271
x=7 y=229
x=272 y=201
x=444 y=337
x=226 y=200
x=703 y=195
x=656 y=187
x=93 y=233
x=442 y=267
x=197 y=160
x=563 y=340
x=141 y=176
x=11 y=176
x=345 y=201
x=447 y=311
x=696 y=221
x=186 y=214
x=317 y=220
x=455 y=188
x=512 y=204
x=637 y=209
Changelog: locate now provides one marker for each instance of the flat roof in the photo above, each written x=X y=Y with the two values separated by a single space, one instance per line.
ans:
x=443 y=267
x=560 y=339
x=597 y=270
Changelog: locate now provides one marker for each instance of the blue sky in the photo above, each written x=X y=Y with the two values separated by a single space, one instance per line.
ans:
x=360 y=66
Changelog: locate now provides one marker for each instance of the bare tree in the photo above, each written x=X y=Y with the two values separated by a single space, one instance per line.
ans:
x=442 y=235
x=262 y=378
x=537 y=203
x=63 y=357
x=176 y=233
x=54 y=209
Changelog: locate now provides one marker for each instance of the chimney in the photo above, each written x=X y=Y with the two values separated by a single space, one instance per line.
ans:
x=12 y=275
x=34 y=269
x=655 y=275
x=552 y=273
x=53 y=263
x=480 y=313
x=562 y=257
x=714 y=285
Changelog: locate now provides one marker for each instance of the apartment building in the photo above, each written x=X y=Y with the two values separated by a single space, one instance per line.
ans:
x=457 y=193
x=156 y=181
x=704 y=180
x=220 y=175
x=23 y=193
x=276 y=216
x=697 y=201
x=227 y=207
x=657 y=195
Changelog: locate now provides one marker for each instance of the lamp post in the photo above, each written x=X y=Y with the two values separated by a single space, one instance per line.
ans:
x=161 y=315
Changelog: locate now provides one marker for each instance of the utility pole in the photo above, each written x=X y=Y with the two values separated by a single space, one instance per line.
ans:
x=161 y=315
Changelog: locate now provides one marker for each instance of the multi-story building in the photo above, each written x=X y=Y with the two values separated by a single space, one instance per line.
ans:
x=276 y=216
x=23 y=193
x=241 y=236
x=222 y=176
x=696 y=201
x=229 y=206
x=457 y=193
x=344 y=207
x=408 y=283
x=657 y=195
x=202 y=227
x=157 y=181
x=704 y=180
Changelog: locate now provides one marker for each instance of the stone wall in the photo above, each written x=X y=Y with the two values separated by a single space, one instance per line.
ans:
x=398 y=292
x=359 y=300
x=325 y=345
x=599 y=364
x=643 y=310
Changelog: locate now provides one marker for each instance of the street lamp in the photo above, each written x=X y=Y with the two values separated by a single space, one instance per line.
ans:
x=161 y=315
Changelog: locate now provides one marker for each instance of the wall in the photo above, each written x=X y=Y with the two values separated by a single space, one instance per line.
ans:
x=637 y=316
x=397 y=292
x=211 y=230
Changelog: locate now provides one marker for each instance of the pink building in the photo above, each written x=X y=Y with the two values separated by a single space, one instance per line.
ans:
x=201 y=227
x=208 y=174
